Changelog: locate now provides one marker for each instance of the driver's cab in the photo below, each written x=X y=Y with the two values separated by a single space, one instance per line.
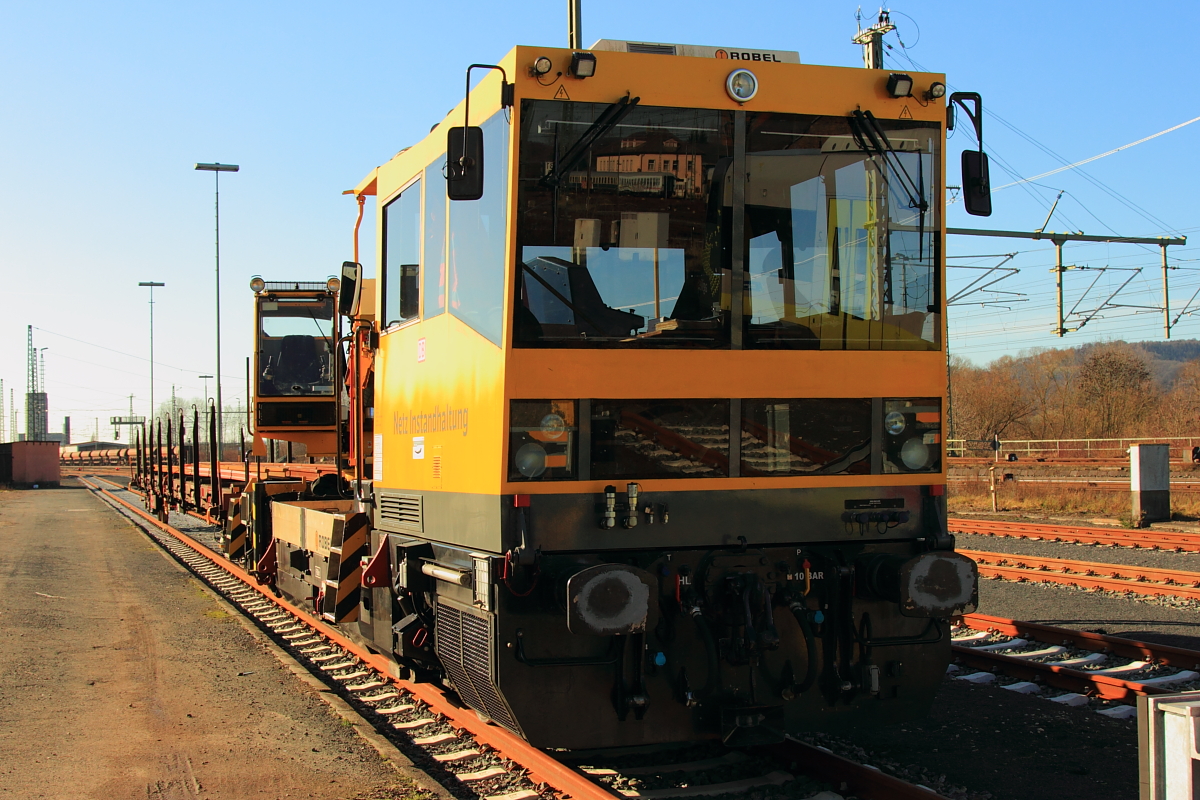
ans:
x=295 y=373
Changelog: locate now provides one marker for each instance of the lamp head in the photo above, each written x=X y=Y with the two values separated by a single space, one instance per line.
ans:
x=899 y=84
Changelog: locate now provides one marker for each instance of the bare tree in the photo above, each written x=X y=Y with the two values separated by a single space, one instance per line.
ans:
x=988 y=400
x=1115 y=392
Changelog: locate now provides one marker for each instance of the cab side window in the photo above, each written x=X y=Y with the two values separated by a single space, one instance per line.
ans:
x=478 y=234
x=435 y=238
x=402 y=256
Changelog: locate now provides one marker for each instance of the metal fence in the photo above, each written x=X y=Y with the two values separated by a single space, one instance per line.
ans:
x=1181 y=447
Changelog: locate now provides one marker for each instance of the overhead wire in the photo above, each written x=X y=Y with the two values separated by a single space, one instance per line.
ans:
x=1078 y=164
x=1127 y=318
x=1033 y=141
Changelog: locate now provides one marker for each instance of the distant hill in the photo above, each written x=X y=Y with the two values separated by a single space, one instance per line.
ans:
x=1164 y=359
x=1177 y=350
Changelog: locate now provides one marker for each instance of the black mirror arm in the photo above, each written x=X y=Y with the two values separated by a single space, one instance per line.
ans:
x=975 y=113
x=506 y=100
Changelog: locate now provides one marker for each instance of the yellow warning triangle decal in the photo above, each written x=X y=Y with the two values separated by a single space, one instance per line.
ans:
x=561 y=94
x=905 y=113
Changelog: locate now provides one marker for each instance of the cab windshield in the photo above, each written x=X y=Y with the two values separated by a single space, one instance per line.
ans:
x=632 y=235
x=295 y=347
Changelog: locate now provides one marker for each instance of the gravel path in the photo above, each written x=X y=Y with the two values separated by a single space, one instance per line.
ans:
x=121 y=678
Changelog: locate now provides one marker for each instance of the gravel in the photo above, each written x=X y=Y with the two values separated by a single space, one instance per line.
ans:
x=1129 y=556
x=1153 y=619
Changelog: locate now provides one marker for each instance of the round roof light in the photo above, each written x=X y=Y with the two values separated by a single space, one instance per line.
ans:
x=333 y=284
x=542 y=66
x=257 y=284
x=937 y=90
x=741 y=85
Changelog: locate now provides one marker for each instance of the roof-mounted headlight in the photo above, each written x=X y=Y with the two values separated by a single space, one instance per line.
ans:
x=257 y=284
x=583 y=65
x=899 y=84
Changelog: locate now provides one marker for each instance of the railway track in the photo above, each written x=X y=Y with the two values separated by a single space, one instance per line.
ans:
x=1080 y=534
x=475 y=758
x=1082 y=664
x=1114 y=462
x=1088 y=574
x=1101 y=485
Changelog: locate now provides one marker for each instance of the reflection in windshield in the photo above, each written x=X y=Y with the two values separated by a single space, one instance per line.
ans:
x=294 y=353
x=632 y=246
x=621 y=249
x=838 y=254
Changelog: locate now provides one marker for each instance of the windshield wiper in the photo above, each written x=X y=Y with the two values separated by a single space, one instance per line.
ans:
x=607 y=120
x=871 y=138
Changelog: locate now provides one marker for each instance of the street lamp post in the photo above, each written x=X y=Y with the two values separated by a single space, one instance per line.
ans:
x=206 y=411
x=151 y=285
x=205 y=377
x=216 y=170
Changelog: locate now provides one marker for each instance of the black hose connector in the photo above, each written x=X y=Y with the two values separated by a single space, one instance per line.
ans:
x=710 y=650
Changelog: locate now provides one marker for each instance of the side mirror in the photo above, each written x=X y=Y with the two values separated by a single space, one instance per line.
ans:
x=350 y=293
x=976 y=186
x=464 y=163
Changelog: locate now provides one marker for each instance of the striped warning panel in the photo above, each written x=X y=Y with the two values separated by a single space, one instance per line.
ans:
x=349 y=545
x=235 y=532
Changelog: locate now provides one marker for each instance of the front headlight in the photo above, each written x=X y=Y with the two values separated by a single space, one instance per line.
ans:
x=914 y=454
x=914 y=441
x=541 y=442
x=554 y=426
x=530 y=460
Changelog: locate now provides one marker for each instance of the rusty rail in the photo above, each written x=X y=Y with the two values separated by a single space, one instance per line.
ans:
x=1088 y=574
x=1082 y=534
x=1107 y=687
x=1079 y=484
x=846 y=776
x=1086 y=640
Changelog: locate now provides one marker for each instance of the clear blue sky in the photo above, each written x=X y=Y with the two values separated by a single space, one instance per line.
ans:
x=107 y=106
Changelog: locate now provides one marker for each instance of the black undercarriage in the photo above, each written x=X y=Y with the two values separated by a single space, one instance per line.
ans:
x=744 y=642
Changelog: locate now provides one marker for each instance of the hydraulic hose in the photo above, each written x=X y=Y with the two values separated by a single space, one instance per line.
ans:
x=748 y=616
x=710 y=649
x=810 y=648
x=769 y=635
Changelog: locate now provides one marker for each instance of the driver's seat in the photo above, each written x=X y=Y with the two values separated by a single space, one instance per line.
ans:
x=298 y=362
